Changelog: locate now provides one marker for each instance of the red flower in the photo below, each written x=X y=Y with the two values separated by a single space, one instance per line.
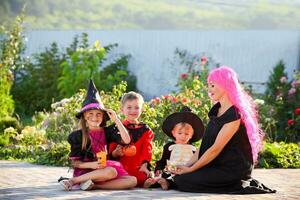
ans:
x=174 y=100
x=184 y=75
x=184 y=100
x=291 y=122
x=156 y=100
x=297 y=111
x=167 y=96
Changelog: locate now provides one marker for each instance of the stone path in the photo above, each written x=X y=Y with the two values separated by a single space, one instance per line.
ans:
x=20 y=180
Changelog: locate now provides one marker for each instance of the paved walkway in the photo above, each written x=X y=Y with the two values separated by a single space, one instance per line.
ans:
x=19 y=180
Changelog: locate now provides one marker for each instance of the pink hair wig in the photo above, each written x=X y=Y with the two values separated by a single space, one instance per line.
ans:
x=226 y=78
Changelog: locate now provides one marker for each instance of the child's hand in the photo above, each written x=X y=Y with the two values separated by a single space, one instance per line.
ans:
x=118 y=152
x=96 y=165
x=112 y=114
x=143 y=168
x=158 y=172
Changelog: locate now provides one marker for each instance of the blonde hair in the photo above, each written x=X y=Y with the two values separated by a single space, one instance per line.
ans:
x=132 y=96
x=85 y=132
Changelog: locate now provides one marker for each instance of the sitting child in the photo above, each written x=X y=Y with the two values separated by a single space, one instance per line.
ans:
x=136 y=156
x=184 y=127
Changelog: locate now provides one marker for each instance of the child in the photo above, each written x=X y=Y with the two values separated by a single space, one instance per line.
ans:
x=90 y=142
x=138 y=162
x=185 y=128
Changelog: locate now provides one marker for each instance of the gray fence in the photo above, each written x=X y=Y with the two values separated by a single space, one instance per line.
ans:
x=252 y=53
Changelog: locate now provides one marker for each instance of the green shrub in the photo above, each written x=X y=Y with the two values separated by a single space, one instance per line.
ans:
x=282 y=99
x=280 y=155
x=7 y=122
x=64 y=72
x=7 y=137
x=11 y=47
x=57 y=155
x=40 y=73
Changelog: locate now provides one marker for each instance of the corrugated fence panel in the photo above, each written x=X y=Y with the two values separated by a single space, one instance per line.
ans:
x=252 y=53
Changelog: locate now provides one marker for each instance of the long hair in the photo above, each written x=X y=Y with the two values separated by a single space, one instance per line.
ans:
x=85 y=130
x=226 y=78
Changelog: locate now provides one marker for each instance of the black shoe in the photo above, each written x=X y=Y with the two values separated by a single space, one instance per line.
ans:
x=62 y=178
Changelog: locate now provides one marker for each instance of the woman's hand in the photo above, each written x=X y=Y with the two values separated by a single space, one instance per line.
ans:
x=182 y=170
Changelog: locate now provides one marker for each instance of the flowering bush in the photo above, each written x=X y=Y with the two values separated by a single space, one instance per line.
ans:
x=30 y=135
x=192 y=93
x=282 y=101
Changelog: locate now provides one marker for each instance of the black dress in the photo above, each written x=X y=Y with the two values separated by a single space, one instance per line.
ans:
x=230 y=171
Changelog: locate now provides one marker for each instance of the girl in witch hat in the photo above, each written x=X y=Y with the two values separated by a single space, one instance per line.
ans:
x=184 y=127
x=88 y=148
x=230 y=145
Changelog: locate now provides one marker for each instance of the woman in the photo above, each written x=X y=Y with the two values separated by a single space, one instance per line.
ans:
x=230 y=144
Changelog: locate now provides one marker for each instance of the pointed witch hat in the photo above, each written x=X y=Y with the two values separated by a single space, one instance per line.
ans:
x=92 y=101
x=185 y=115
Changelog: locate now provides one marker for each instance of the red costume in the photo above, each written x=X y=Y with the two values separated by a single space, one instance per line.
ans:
x=141 y=137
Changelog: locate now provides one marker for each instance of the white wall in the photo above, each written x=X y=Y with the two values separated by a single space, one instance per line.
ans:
x=252 y=53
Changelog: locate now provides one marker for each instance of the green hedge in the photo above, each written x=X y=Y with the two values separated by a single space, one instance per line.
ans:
x=280 y=155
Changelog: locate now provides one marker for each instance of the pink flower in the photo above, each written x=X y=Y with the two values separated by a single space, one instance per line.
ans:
x=183 y=76
x=291 y=122
x=283 y=79
x=157 y=100
x=203 y=60
x=292 y=91
x=295 y=84
x=297 y=111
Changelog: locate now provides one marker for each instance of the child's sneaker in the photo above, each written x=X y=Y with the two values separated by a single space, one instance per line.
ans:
x=66 y=184
x=87 y=185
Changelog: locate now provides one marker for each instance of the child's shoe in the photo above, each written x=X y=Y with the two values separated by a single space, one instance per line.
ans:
x=87 y=185
x=66 y=184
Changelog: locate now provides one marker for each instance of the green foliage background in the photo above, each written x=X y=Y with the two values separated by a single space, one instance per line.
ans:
x=156 y=14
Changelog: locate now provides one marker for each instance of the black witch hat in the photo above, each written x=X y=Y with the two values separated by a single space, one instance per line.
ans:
x=92 y=100
x=186 y=116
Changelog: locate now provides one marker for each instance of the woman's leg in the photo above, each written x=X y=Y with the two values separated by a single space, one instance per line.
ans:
x=206 y=180
x=96 y=175
x=124 y=182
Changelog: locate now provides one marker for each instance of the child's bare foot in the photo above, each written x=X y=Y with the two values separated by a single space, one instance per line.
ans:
x=163 y=183
x=149 y=182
